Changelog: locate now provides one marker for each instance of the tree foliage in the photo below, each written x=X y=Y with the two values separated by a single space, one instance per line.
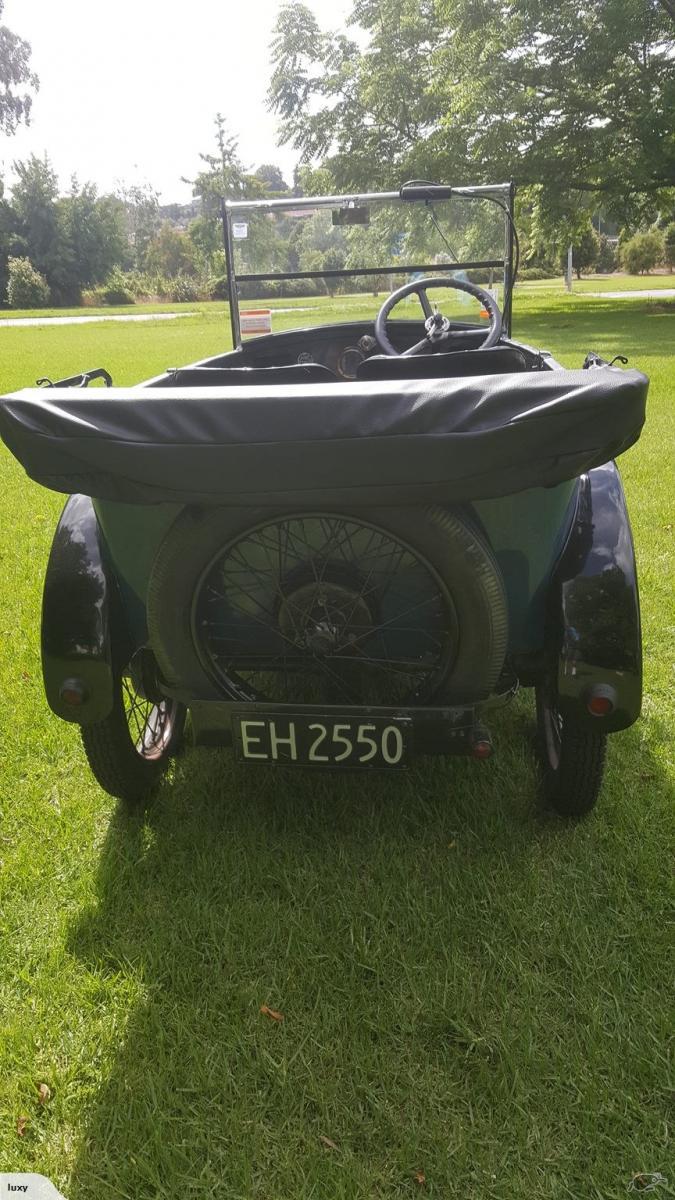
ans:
x=272 y=177
x=16 y=79
x=669 y=244
x=578 y=98
x=26 y=287
x=73 y=240
x=642 y=252
x=172 y=253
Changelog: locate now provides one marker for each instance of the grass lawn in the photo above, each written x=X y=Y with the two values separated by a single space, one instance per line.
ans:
x=472 y=990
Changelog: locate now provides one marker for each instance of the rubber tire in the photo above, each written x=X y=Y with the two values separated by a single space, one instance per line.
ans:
x=455 y=549
x=114 y=761
x=571 y=785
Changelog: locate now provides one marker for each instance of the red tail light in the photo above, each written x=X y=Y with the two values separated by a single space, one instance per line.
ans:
x=601 y=700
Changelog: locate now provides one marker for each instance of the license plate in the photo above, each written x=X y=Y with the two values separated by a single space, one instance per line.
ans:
x=307 y=741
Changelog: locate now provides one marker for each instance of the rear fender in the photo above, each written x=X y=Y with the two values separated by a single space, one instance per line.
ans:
x=80 y=609
x=596 y=607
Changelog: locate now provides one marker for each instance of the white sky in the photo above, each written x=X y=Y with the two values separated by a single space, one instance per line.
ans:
x=129 y=90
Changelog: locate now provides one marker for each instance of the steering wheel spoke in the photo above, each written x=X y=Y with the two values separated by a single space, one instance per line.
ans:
x=430 y=342
x=424 y=301
x=418 y=348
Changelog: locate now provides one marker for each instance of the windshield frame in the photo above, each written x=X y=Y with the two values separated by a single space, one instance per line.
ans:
x=501 y=194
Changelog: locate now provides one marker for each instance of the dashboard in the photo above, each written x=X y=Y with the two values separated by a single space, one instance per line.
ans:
x=341 y=347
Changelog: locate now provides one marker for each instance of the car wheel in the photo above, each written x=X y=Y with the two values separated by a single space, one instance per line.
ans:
x=387 y=607
x=129 y=750
x=572 y=758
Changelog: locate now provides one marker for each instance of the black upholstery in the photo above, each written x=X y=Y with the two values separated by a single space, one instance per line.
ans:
x=500 y=360
x=253 y=376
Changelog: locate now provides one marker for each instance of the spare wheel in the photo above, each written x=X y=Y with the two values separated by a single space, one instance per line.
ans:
x=381 y=606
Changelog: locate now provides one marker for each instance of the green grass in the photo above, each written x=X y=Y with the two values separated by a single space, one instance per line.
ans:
x=471 y=989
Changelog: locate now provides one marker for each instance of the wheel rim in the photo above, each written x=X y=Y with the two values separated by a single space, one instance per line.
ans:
x=150 y=725
x=317 y=607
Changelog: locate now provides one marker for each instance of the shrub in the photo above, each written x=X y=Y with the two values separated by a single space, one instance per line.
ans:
x=585 y=249
x=536 y=273
x=669 y=245
x=26 y=287
x=217 y=288
x=184 y=290
x=606 y=262
x=116 y=290
x=642 y=252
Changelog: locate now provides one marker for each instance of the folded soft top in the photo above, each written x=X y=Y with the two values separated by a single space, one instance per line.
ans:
x=413 y=441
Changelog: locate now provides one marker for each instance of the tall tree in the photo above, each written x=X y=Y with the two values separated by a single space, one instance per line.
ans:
x=576 y=97
x=34 y=197
x=272 y=177
x=224 y=175
x=16 y=79
x=141 y=208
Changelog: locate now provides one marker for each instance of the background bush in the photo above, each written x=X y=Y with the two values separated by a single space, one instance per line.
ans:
x=26 y=287
x=606 y=261
x=116 y=290
x=536 y=273
x=669 y=245
x=642 y=252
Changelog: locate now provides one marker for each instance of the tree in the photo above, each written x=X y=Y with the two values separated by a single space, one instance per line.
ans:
x=271 y=176
x=34 y=197
x=225 y=176
x=669 y=244
x=91 y=241
x=585 y=250
x=605 y=262
x=171 y=253
x=16 y=79
x=642 y=252
x=141 y=208
x=577 y=98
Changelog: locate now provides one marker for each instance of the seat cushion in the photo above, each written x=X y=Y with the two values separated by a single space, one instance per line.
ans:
x=500 y=360
x=247 y=376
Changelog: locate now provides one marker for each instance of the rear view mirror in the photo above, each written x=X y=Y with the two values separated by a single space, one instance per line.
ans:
x=352 y=215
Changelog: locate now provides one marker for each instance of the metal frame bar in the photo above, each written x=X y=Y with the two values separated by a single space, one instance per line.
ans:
x=345 y=273
x=431 y=192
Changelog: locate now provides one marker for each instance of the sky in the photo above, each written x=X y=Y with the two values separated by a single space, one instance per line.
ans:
x=129 y=90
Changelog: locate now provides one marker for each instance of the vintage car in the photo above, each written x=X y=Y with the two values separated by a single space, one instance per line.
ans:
x=340 y=545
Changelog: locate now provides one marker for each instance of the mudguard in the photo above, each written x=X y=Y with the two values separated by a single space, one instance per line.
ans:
x=596 y=608
x=79 y=607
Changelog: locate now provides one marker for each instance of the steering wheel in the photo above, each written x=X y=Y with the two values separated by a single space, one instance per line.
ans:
x=438 y=328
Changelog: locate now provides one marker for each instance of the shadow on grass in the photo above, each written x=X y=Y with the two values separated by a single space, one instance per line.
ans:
x=407 y=927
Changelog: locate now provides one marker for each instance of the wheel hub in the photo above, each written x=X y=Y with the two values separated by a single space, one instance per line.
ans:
x=324 y=617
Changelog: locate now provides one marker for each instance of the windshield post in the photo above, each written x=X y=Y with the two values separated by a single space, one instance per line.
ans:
x=508 y=259
x=231 y=276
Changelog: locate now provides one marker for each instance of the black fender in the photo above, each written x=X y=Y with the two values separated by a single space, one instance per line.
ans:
x=80 y=606
x=596 y=606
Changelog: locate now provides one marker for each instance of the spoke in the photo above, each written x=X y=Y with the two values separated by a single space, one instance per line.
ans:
x=416 y=349
x=305 y=561
x=424 y=301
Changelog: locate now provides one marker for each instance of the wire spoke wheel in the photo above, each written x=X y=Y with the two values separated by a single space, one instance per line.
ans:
x=150 y=725
x=572 y=757
x=317 y=607
x=129 y=750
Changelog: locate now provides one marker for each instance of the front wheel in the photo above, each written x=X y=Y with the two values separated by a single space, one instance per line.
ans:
x=572 y=758
x=129 y=750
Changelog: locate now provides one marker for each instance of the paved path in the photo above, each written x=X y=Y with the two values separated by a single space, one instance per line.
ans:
x=87 y=320
x=30 y=321
x=649 y=294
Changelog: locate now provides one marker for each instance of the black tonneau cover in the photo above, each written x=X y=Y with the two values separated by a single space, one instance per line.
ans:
x=413 y=441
